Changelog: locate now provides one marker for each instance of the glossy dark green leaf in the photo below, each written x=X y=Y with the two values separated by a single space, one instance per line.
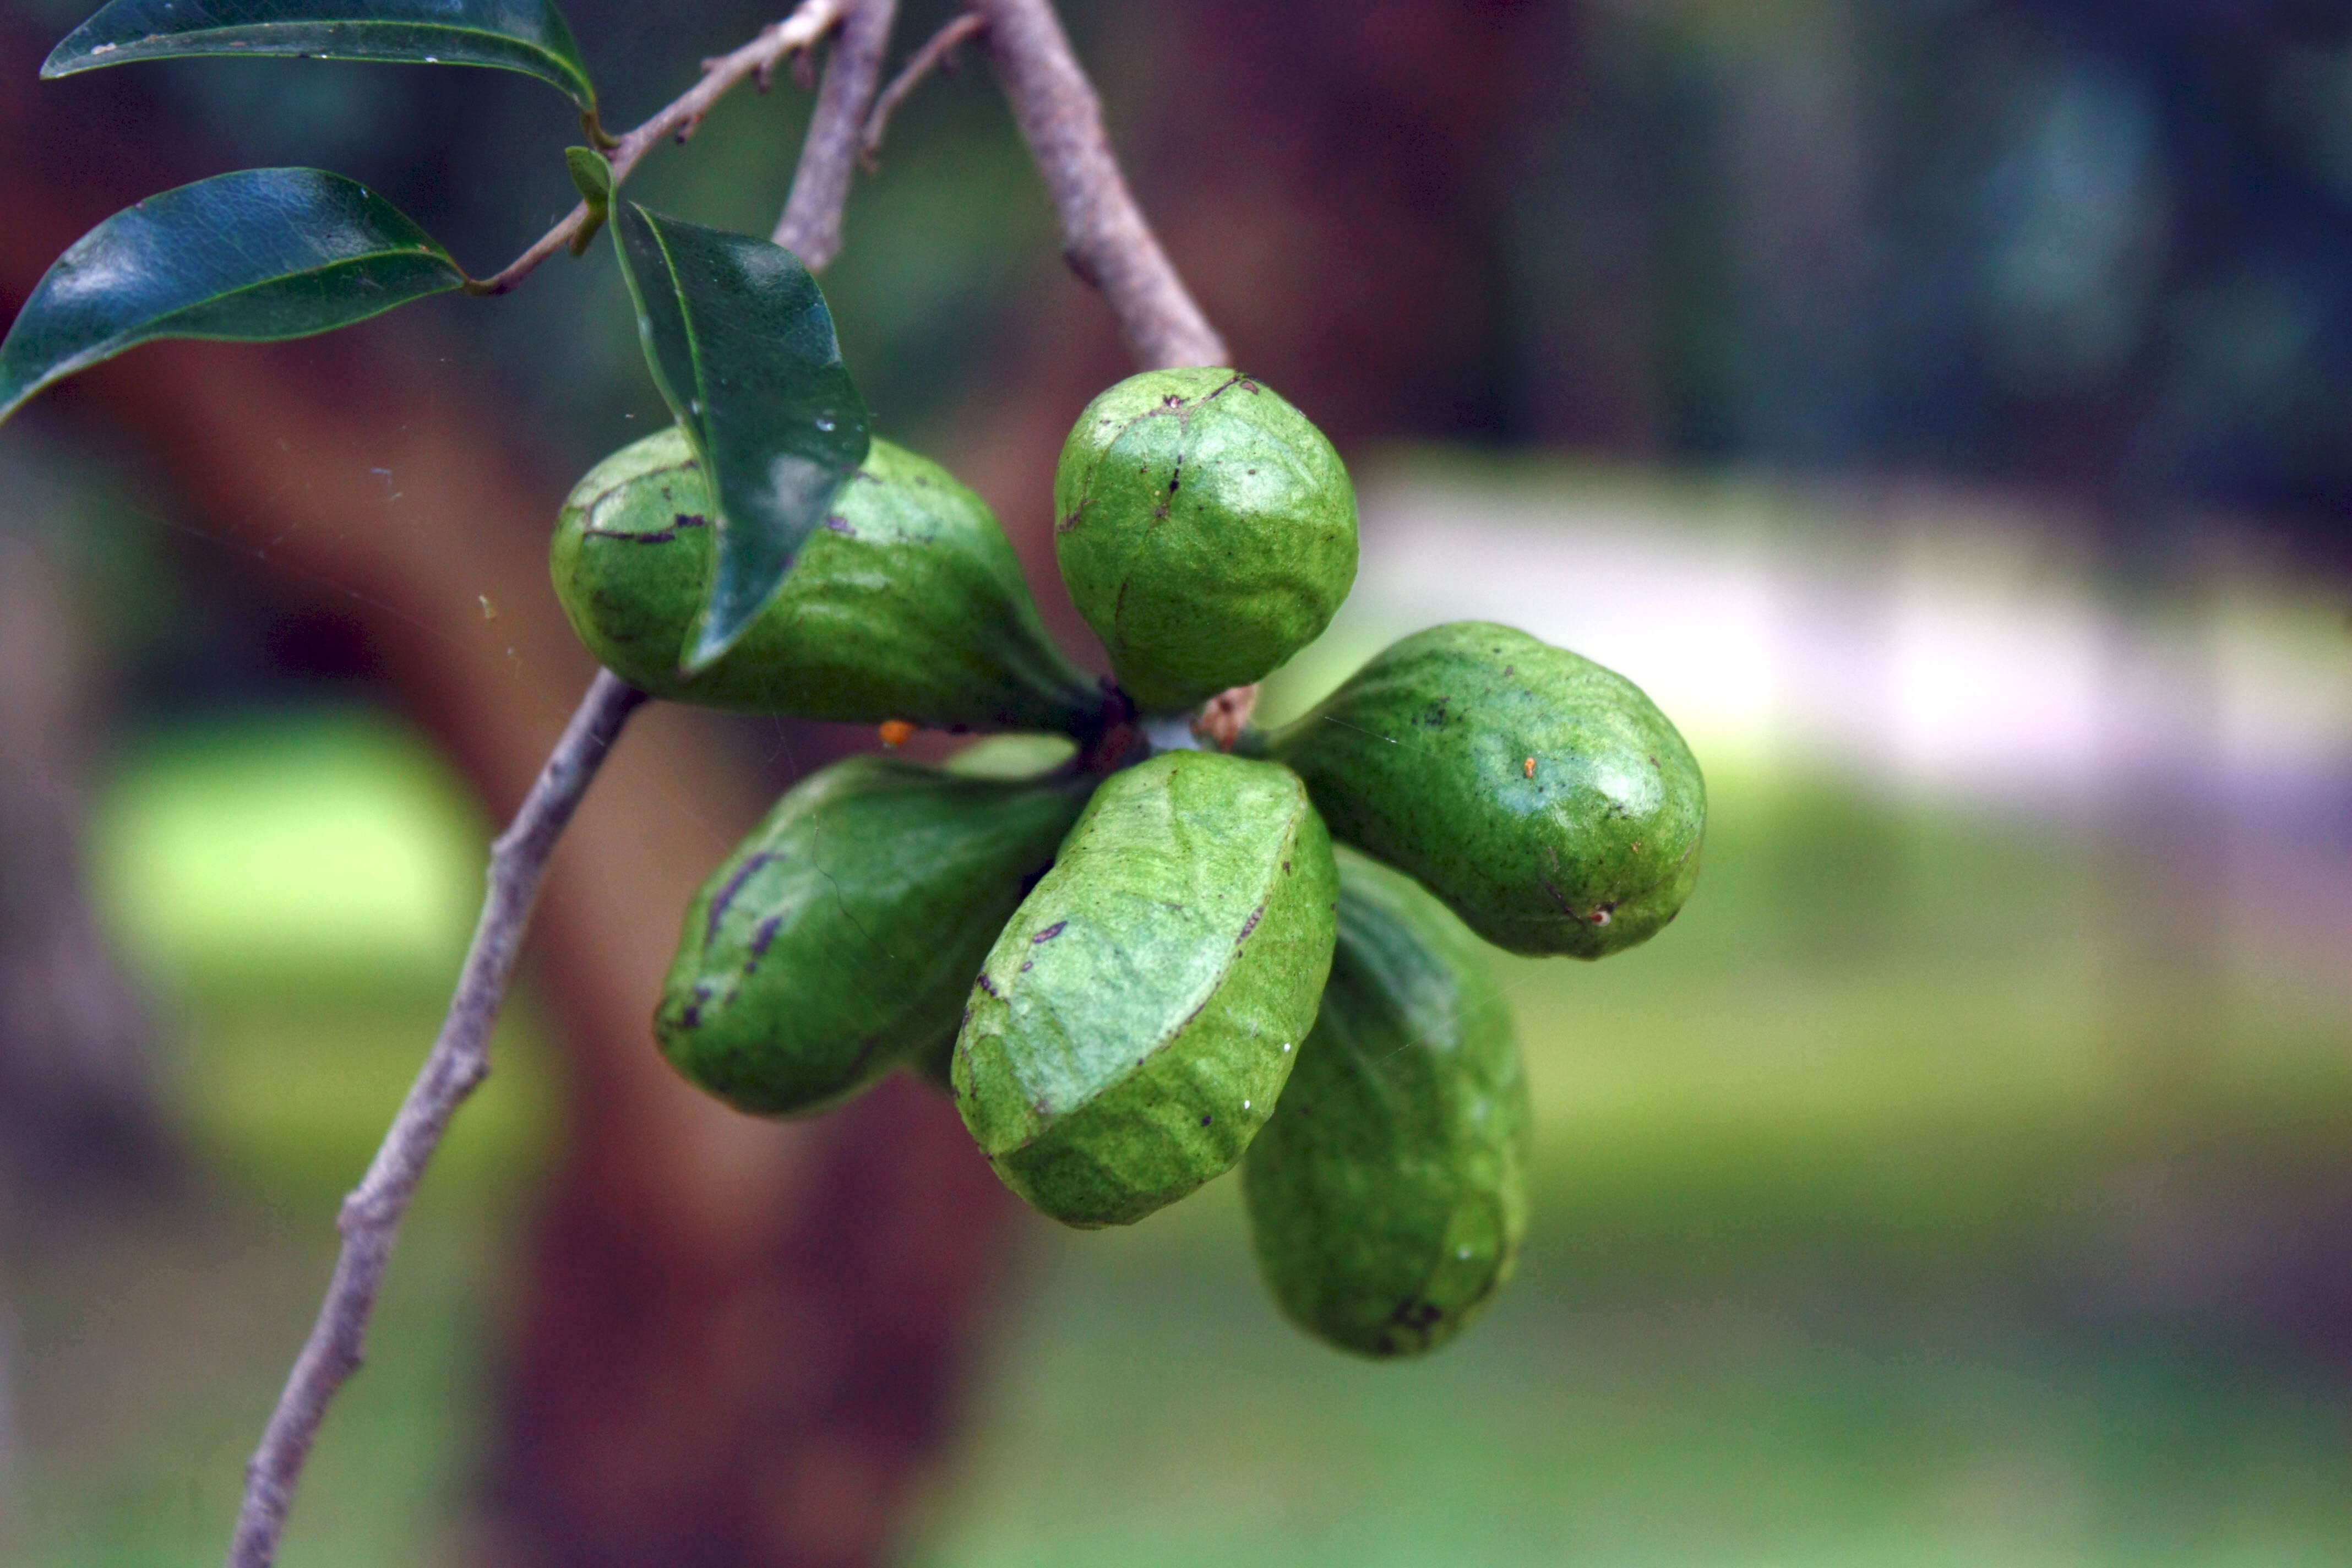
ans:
x=526 y=36
x=742 y=347
x=252 y=257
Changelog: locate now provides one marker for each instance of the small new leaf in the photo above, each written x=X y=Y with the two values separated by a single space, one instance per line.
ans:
x=593 y=177
x=526 y=36
x=251 y=257
x=742 y=348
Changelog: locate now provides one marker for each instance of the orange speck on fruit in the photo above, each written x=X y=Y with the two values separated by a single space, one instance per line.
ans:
x=1531 y=767
x=895 y=732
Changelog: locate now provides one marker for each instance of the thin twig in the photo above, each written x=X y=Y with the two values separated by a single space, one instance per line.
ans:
x=1105 y=239
x=938 y=55
x=459 y=1060
x=808 y=23
x=811 y=227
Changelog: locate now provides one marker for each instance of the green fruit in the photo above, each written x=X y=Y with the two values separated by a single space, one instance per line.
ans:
x=1133 y=1025
x=1543 y=796
x=909 y=604
x=841 y=936
x=1206 y=530
x=1387 y=1195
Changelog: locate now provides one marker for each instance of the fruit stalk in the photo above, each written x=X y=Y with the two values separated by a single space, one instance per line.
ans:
x=1104 y=236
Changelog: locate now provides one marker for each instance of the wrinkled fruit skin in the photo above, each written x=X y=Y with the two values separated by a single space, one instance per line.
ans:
x=1133 y=1026
x=842 y=936
x=1388 y=1196
x=1423 y=758
x=1206 y=530
x=909 y=604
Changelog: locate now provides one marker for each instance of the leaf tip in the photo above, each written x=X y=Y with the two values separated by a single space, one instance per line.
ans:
x=15 y=391
x=713 y=636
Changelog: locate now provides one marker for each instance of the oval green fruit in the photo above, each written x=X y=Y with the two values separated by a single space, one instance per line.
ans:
x=842 y=936
x=1543 y=797
x=1133 y=1026
x=909 y=604
x=1206 y=530
x=1388 y=1196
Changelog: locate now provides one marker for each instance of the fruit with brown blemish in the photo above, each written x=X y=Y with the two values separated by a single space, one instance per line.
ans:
x=1135 y=1022
x=1543 y=797
x=907 y=606
x=841 y=936
x=1206 y=531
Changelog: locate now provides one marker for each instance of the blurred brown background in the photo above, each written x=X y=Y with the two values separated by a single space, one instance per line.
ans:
x=1963 y=1181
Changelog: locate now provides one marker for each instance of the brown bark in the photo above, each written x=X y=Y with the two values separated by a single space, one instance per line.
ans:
x=781 y=1390
x=663 y=1196
x=811 y=225
x=77 y=1108
x=1105 y=239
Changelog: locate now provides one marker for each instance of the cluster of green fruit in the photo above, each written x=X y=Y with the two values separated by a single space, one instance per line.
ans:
x=1133 y=970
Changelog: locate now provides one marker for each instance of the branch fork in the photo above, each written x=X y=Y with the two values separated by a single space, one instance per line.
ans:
x=796 y=35
x=938 y=55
